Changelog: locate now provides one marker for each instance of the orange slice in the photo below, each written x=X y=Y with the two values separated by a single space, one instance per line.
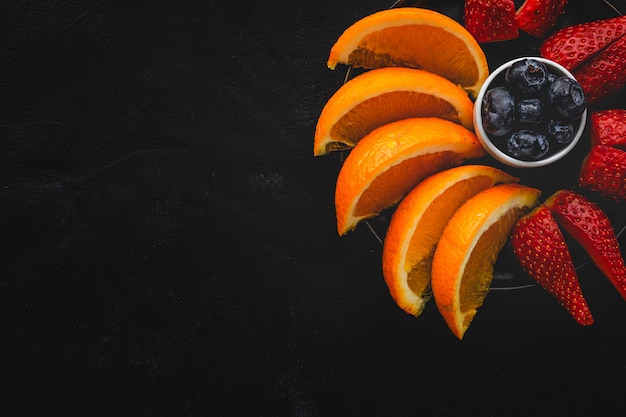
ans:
x=469 y=246
x=416 y=38
x=392 y=159
x=385 y=95
x=417 y=225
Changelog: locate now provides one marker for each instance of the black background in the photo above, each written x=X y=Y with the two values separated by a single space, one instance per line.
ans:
x=169 y=243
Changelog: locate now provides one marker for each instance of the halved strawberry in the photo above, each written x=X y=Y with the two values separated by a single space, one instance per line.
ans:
x=542 y=252
x=590 y=226
x=603 y=171
x=608 y=127
x=605 y=73
x=573 y=45
x=537 y=17
x=491 y=20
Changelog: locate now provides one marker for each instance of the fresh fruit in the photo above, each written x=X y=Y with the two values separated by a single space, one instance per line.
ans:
x=463 y=262
x=608 y=127
x=385 y=95
x=537 y=17
x=527 y=76
x=576 y=44
x=542 y=252
x=410 y=125
x=603 y=172
x=562 y=132
x=391 y=160
x=527 y=145
x=589 y=225
x=417 y=224
x=498 y=20
x=491 y=20
x=416 y=38
x=605 y=73
x=498 y=111
x=530 y=111
x=595 y=52
x=567 y=98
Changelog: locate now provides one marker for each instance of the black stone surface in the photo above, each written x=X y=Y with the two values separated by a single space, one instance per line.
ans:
x=169 y=244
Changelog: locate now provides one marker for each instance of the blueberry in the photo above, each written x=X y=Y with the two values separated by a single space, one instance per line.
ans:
x=551 y=77
x=527 y=76
x=498 y=111
x=567 y=98
x=563 y=132
x=530 y=110
x=527 y=145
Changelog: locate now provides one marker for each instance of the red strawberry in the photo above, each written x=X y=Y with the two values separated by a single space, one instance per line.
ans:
x=591 y=227
x=542 y=252
x=605 y=73
x=604 y=172
x=608 y=127
x=537 y=17
x=576 y=44
x=491 y=20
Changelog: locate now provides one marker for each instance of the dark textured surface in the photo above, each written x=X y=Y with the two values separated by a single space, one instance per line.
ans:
x=168 y=241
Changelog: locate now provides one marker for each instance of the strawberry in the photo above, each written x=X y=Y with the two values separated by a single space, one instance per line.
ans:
x=608 y=127
x=537 y=17
x=590 y=226
x=576 y=44
x=491 y=20
x=603 y=171
x=605 y=73
x=542 y=252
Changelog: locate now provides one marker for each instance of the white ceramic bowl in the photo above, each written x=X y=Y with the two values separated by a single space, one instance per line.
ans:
x=493 y=150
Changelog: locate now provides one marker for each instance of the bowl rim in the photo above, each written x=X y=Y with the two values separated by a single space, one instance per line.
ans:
x=493 y=149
